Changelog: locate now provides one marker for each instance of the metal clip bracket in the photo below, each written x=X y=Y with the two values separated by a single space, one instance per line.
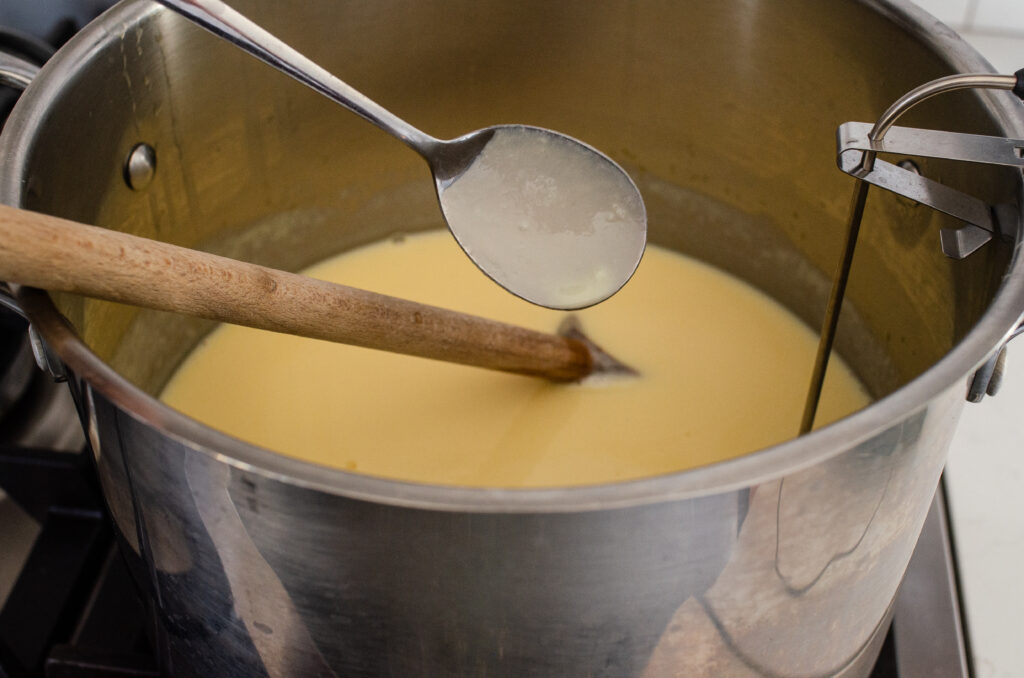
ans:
x=853 y=142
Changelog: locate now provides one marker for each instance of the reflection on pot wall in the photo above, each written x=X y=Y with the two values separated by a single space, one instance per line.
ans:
x=256 y=577
x=836 y=536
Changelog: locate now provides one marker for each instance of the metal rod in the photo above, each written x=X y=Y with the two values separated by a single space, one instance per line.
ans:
x=835 y=303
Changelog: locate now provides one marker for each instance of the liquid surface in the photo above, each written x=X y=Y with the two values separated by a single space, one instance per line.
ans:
x=548 y=218
x=724 y=371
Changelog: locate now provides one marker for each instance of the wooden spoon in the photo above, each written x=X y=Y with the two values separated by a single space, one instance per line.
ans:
x=38 y=250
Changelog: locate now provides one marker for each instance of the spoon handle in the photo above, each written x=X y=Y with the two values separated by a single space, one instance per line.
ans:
x=38 y=250
x=227 y=23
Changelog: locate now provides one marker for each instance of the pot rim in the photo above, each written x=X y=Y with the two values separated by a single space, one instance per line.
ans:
x=946 y=377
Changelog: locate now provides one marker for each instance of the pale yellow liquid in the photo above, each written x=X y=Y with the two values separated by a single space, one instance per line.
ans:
x=724 y=372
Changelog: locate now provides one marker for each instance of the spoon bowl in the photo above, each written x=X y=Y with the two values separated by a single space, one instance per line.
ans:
x=549 y=218
x=545 y=216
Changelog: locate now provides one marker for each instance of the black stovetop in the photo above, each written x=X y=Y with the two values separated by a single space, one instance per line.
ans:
x=73 y=610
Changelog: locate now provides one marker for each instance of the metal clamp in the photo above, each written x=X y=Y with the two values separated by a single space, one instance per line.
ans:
x=857 y=149
x=858 y=144
x=853 y=142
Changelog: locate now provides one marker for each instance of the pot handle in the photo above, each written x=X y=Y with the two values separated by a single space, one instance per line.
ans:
x=8 y=301
x=46 y=359
x=16 y=72
x=989 y=377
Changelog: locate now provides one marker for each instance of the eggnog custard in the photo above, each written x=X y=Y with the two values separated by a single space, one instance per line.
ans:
x=723 y=371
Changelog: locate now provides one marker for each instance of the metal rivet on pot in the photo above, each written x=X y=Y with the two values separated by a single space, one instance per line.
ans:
x=140 y=167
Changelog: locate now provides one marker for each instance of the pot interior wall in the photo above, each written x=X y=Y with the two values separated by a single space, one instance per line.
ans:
x=724 y=111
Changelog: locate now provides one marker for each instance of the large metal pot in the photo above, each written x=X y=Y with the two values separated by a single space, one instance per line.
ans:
x=780 y=563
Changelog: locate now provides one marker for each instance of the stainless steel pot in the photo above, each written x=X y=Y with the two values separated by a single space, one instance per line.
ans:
x=780 y=563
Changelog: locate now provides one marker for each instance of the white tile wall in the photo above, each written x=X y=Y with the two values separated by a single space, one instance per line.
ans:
x=1005 y=51
x=994 y=27
x=999 y=15
x=952 y=12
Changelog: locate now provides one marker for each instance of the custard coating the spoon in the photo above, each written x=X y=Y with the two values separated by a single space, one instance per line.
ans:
x=547 y=217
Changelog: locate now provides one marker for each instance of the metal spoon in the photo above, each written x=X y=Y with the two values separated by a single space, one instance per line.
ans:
x=547 y=217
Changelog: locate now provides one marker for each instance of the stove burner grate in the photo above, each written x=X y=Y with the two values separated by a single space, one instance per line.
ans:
x=73 y=611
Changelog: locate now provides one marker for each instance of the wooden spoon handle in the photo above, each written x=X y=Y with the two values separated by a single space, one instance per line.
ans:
x=38 y=250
